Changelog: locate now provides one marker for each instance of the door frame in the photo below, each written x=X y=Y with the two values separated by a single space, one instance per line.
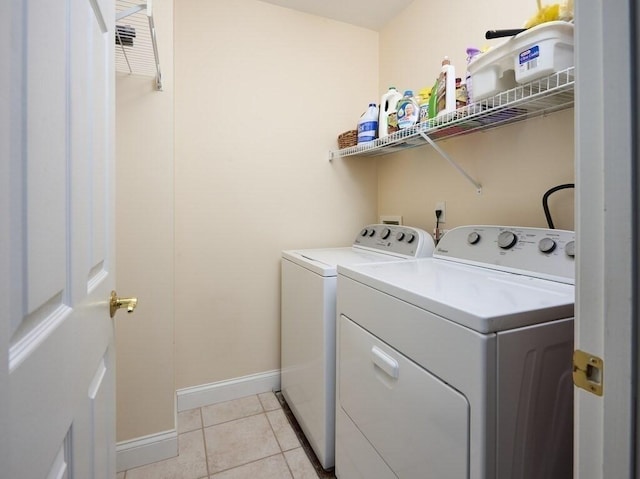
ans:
x=5 y=256
x=607 y=232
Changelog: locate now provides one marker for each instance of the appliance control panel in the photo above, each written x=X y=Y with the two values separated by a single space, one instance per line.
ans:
x=403 y=241
x=538 y=252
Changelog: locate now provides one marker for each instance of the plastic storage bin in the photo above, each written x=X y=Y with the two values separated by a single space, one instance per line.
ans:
x=535 y=53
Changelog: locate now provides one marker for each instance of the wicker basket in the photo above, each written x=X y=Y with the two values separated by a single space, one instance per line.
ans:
x=347 y=139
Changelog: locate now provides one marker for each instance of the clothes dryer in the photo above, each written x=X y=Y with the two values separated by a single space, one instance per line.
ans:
x=308 y=322
x=459 y=365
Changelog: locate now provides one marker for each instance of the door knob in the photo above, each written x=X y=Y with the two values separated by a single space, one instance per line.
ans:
x=116 y=303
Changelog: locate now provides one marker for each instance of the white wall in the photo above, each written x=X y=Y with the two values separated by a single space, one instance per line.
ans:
x=261 y=95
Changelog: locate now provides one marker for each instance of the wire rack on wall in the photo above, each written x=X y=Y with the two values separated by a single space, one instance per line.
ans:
x=136 y=46
x=539 y=97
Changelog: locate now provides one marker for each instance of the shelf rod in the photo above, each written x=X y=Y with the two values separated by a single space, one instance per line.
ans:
x=451 y=162
x=124 y=52
x=130 y=11
x=152 y=29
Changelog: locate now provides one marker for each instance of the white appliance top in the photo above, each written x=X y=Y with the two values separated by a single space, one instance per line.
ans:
x=481 y=279
x=374 y=244
x=539 y=252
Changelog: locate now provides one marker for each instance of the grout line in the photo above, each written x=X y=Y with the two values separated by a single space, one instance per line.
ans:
x=235 y=419
x=273 y=431
x=255 y=460
x=231 y=420
x=204 y=442
x=306 y=447
x=293 y=476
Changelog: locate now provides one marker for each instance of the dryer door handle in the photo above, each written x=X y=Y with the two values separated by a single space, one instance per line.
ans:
x=385 y=362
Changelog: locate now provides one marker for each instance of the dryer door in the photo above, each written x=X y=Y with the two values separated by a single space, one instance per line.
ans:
x=418 y=424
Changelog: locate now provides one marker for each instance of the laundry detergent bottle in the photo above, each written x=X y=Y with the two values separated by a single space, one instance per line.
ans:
x=407 y=110
x=368 y=124
x=388 y=104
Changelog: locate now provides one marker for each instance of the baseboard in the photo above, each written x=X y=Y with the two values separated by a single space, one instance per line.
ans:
x=198 y=396
x=145 y=450
x=157 y=447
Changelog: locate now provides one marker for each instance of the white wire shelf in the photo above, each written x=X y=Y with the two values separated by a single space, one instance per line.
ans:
x=136 y=47
x=540 y=97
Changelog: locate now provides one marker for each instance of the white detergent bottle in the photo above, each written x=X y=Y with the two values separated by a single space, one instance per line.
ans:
x=446 y=90
x=368 y=124
x=388 y=104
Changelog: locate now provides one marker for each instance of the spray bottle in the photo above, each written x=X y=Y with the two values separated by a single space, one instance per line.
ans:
x=471 y=54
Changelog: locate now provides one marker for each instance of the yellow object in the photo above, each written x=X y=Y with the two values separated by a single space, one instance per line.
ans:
x=423 y=95
x=550 y=13
x=545 y=14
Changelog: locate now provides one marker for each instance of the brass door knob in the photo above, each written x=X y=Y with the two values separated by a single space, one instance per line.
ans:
x=116 y=303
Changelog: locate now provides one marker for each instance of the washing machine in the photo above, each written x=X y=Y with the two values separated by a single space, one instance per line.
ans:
x=459 y=365
x=308 y=322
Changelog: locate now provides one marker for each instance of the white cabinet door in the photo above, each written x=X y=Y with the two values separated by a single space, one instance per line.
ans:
x=56 y=252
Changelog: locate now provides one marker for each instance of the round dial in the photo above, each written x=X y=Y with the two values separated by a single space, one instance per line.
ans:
x=546 y=245
x=410 y=238
x=364 y=232
x=385 y=233
x=473 y=238
x=372 y=232
x=400 y=236
x=507 y=240
x=570 y=249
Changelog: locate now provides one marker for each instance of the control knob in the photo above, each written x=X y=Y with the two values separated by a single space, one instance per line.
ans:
x=570 y=249
x=400 y=236
x=410 y=238
x=385 y=233
x=372 y=232
x=547 y=245
x=507 y=239
x=473 y=238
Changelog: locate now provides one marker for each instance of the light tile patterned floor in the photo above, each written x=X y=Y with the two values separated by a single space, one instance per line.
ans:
x=247 y=438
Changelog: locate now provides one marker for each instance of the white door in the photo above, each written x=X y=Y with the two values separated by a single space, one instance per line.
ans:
x=607 y=242
x=56 y=243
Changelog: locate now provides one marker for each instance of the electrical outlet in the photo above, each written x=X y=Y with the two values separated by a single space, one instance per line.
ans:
x=440 y=205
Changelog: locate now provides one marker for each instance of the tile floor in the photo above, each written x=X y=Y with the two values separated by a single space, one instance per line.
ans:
x=247 y=438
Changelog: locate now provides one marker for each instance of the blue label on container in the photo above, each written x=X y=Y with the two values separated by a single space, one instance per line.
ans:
x=368 y=126
x=530 y=54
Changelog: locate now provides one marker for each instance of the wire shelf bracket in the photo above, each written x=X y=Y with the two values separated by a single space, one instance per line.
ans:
x=136 y=42
x=441 y=152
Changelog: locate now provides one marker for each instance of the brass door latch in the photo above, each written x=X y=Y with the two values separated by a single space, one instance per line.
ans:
x=588 y=372
x=116 y=303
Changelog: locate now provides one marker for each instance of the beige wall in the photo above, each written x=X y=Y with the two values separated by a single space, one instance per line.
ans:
x=144 y=243
x=261 y=94
x=515 y=164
